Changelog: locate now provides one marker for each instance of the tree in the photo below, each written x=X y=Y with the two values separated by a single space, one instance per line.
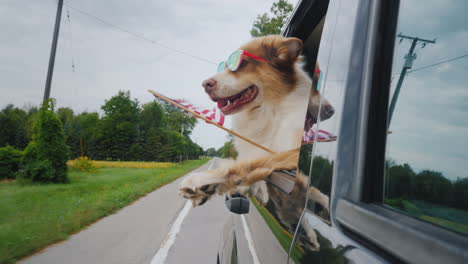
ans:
x=399 y=180
x=179 y=121
x=119 y=128
x=45 y=157
x=10 y=160
x=152 y=117
x=432 y=186
x=173 y=145
x=266 y=25
x=12 y=127
x=211 y=152
x=228 y=150
x=460 y=193
x=153 y=121
x=89 y=134
x=71 y=128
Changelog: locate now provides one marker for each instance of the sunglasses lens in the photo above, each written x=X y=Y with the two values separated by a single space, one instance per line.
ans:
x=319 y=83
x=221 y=66
x=234 y=60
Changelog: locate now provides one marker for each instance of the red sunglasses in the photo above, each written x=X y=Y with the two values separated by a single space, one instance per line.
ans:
x=235 y=60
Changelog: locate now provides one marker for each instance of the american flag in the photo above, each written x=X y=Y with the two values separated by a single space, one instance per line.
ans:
x=216 y=116
x=322 y=136
x=211 y=114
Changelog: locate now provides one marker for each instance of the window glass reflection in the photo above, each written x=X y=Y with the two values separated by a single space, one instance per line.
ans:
x=426 y=172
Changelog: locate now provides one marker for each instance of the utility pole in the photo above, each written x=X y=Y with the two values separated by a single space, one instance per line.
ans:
x=409 y=58
x=53 y=50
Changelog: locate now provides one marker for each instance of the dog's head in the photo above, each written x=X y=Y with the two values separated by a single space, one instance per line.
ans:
x=257 y=82
x=315 y=108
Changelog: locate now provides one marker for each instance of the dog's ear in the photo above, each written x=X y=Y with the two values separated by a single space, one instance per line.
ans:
x=286 y=51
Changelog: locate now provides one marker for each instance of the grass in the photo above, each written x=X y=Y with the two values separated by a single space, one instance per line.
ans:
x=446 y=223
x=126 y=164
x=445 y=216
x=34 y=216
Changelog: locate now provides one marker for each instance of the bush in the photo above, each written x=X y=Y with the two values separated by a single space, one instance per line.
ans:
x=45 y=158
x=83 y=164
x=10 y=160
x=395 y=202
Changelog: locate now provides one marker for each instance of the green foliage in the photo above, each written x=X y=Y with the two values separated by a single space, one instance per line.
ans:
x=211 y=152
x=119 y=125
x=272 y=25
x=153 y=116
x=432 y=186
x=460 y=193
x=83 y=164
x=88 y=135
x=180 y=122
x=10 y=160
x=12 y=127
x=395 y=202
x=228 y=150
x=126 y=131
x=46 y=155
x=399 y=181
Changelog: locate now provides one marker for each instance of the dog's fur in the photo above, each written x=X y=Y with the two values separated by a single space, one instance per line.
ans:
x=274 y=118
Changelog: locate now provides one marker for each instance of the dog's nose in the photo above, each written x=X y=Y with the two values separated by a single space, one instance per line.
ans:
x=327 y=112
x=209 y=85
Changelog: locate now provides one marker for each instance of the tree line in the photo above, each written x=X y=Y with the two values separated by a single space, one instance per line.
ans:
x=127 y=130
x=427 y=185
x=401 y=182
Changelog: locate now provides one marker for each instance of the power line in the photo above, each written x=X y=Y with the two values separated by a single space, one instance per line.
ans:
x=140 y=36
x=435 y=64
x=438 y=63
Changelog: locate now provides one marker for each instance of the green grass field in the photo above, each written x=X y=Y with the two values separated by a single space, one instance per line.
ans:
x=445 y=216
x=34 y=216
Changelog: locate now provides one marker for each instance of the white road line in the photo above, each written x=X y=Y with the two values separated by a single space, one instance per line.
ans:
x=250 y=243
x=161 y=255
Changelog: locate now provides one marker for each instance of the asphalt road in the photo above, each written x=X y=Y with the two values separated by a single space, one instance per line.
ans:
x=158 y=228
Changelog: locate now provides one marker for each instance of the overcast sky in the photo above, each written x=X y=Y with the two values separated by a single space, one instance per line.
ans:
x=430 y=122
x=107 y=59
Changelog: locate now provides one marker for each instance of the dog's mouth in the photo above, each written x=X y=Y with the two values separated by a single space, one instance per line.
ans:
x=229 y=105
x=310 y=121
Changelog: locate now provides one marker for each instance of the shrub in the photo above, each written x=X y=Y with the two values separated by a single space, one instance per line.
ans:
x=10 y=160
x=45 y=158
x=83 y=164
x=395 y=202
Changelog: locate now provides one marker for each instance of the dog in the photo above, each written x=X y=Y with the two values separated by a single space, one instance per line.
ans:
x=267 y=99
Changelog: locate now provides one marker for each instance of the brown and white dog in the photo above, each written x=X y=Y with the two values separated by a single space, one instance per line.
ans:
x=268 y=102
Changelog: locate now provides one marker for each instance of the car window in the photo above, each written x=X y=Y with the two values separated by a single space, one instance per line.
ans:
x=333 y=57
x=316 y=160
x=426 y=172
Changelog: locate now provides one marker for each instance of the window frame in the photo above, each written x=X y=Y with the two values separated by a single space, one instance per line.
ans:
x=357 y=189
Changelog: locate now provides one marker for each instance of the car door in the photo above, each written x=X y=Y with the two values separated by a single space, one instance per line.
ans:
x=398 y=169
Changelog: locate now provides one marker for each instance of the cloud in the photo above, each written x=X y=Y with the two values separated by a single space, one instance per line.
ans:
x=107 y=59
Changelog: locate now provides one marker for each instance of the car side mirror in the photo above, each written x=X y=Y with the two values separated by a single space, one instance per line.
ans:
x=237 y=203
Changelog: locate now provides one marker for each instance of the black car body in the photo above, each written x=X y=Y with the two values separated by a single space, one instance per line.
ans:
x=380 y=211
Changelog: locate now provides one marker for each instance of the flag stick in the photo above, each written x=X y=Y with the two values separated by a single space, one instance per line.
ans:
x=208 y=120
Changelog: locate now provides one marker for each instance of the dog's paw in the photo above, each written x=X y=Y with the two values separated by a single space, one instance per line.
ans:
x=260 y=191
x=198 y=187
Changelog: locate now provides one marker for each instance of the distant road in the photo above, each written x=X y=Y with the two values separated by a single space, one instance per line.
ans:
x=158 y=228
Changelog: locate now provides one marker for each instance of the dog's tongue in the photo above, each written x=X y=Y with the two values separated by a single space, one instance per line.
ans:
x=222 y=103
